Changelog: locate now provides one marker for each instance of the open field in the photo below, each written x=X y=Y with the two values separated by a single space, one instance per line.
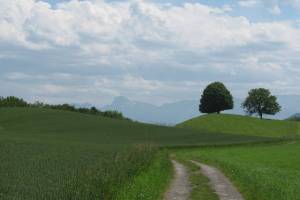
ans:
x=261 y=172
x=243 y=125
x=52 y=154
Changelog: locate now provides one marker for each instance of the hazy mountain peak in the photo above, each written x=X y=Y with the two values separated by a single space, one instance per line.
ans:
x=120 y=100
x=176 y=112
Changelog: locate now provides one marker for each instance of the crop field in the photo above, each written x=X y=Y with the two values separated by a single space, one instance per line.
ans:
x=243 y=125
x=261 y=172
x=52 y=154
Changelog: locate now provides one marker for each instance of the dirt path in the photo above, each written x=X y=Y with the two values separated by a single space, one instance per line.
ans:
x=220 y=183
x=179 y=188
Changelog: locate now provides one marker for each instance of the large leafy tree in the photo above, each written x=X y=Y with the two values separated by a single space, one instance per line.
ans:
x=215 y=98
x=260 y=101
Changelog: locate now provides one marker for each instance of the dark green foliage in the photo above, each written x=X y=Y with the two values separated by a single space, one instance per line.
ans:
x=17 y=102
x=215 y=98
x=12 y=102
x=92 y=110
x=113 y=114
x=260 y=101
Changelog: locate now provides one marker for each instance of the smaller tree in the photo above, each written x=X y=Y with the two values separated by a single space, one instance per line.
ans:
x=260 y=101
x=215 y=98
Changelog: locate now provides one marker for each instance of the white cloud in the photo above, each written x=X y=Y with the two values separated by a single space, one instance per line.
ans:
x=248 y=3
x=271 y=5
x=139 y=48
x=275 y=9
x=100 y=28
x=295 y=3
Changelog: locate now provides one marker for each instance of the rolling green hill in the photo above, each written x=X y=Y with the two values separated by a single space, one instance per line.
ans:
x=33 y=124
x=242 y=125
x=52 y=154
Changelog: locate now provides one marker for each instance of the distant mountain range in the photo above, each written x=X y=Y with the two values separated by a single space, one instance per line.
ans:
x=170 y=113
x=173 y=113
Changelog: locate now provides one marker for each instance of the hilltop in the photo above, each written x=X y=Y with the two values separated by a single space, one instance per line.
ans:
x=168 y=113
x=242 y=125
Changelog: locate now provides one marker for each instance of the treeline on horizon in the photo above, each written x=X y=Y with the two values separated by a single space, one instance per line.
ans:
x=12 y=101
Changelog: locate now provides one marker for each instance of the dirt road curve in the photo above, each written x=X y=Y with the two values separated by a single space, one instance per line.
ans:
x=220 y=183
x=179 y=188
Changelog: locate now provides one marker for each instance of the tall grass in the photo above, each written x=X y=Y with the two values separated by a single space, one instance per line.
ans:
x=73 y=172
x=151 y=183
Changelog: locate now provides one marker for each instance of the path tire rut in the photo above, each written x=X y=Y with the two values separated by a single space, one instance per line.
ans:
x=179 y=188
x=220 y=183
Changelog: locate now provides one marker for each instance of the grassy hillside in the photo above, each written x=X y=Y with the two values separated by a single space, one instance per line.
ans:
x=52 y=154
x=61 y=126
x=242 y=125
x=261 y=172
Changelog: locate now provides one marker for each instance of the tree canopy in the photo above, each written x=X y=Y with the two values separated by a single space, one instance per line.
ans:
x=260 y=101
x=215 y=98
x=12 y=101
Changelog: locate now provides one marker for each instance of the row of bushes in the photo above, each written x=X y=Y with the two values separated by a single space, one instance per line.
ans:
x=12 y=101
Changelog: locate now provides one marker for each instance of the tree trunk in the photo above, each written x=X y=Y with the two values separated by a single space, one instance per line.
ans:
x=261 y=115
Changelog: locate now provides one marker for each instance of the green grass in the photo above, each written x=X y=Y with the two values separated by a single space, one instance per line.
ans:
x=242 y=125
x=261 y=172
x=53 y=126
x=52 y=154
x=151 y=184
x=200 y=186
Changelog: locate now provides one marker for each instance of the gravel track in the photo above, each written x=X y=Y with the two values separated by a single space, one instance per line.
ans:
x=220 y=183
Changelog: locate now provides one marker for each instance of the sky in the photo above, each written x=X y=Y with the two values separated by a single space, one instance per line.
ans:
x=154 y=51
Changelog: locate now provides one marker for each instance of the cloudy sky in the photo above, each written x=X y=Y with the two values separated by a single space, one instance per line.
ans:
x=153 y=51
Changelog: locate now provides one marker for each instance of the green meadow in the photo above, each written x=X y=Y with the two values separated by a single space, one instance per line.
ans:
x=261 y=172
x=53 y=154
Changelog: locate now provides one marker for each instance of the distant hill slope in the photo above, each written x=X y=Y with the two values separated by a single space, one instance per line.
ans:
x=244 y=125
x=174 y=113
x=55 y=125
x=295 y=117
x=54 y=154
x=170 y=113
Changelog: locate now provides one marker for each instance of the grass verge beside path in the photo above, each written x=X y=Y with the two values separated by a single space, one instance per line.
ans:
x=151 y=183
x=261 y=172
